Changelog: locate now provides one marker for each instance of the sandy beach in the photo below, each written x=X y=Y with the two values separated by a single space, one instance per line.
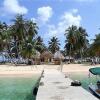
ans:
x=10 y=70
x=72 y=67
x=19 y=71
x=78 y=67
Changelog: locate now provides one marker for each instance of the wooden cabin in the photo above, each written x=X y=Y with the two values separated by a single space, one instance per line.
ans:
x=46 y=57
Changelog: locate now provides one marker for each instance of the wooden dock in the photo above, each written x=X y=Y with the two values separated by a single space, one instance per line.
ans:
x=57 y=87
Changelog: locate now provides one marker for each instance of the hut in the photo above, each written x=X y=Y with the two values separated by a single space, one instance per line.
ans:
x=46 y=56
x=58 y=57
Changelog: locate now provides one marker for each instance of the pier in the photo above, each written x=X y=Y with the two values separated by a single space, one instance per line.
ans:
x=55 y=86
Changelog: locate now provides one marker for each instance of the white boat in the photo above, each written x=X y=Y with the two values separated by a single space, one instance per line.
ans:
x=95 y=88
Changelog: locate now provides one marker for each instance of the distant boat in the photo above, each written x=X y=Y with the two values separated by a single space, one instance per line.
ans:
x=95 y=89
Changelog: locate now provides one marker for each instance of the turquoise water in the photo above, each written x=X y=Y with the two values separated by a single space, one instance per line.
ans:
x=84 y=79
x=17 y=88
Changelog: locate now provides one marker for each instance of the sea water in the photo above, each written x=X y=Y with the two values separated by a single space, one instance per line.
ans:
x=17 y=88
x=85 y=79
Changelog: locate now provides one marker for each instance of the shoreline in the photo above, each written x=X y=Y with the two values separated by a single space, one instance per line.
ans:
x=19 y=71
x=28 y=71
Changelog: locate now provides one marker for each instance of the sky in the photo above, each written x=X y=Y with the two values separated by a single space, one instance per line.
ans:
x=53 y=17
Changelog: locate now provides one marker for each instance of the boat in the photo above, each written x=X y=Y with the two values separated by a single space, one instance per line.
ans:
x=95 y=88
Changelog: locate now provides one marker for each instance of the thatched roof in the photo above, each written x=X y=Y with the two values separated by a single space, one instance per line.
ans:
x=58 y=55
x=47 y=54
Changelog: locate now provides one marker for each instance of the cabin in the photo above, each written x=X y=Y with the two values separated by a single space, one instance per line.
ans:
x=46 y=57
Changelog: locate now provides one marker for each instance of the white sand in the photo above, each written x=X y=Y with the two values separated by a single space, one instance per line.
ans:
x=10 y=70
x=72 y=67
x=78 y=67
x=20 y=71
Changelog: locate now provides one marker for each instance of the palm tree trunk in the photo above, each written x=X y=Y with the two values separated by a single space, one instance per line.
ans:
x=69 y=54
x=81 y=55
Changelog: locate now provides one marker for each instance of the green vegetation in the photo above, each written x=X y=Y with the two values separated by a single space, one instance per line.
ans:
x=21 y=40
x=76 y=41
x=94 y=49
x=54 y=45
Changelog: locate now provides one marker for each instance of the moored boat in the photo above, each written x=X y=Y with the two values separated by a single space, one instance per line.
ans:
x=95 y=88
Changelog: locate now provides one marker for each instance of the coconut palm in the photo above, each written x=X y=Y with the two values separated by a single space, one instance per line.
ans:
x=70 y=41
x=28 y=51
x=96 y=45
x=22 y=31
x=1 y=36
x=31 y=29
x=54 y=45
x=4 y=37
x=18 y=28
x=18 y=32
x=81 y=40
x=76 y=40
x=38 y=44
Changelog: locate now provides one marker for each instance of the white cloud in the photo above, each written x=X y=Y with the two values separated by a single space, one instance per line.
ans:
x=69 y=18
x=44 y=14
x=52 y=31
x=13 y=7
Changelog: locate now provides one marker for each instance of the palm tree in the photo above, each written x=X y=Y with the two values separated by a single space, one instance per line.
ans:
x=18 y=28
x=29 y=48
x=28 y=52
x=81 y=41
x=31 y=29
x=76 y=40
x=54 y=44
x=96 y=45
x=4 y=37
x=18 y=32
x=70 y=41
x=38 y=44
x=23 y=31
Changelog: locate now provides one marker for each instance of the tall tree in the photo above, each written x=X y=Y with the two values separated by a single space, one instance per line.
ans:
x=31 y=29
x=18 y=33
x=4 y=37
x=38 y=44
x=76 y=40
x=96 y=45
x=54 y=44
x=70 y=41
x=81 y=41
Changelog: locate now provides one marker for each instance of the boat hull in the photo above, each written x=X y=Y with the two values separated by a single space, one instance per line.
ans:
x=93 y=89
